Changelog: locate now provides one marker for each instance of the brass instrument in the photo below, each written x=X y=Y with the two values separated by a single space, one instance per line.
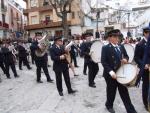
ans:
x=43 y=46
x=68 y=48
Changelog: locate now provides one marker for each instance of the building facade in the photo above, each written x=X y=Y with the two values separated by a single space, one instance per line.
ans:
x=11 y=19
x=42 y=17
x=4 y=21
x=15 y=12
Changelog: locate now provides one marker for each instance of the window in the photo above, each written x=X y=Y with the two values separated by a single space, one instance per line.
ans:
x=73 y=15
x=34 y=20
x=33 y=3
x=2 y=3
x=12 y=21
x=47 y=18
x=3 y=18
x=45 y=2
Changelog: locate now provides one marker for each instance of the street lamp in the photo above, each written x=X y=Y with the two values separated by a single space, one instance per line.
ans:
x=97 y=32
x=128 y=33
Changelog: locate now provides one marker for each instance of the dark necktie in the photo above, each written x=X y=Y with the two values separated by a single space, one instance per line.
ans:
x=118 y=52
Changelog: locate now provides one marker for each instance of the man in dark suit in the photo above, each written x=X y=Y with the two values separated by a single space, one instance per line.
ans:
x=92 y=66
x=113 y=55
x=2 y=59
x=60 y=65
x=139 y=57
x=41 y=63
x=22 y=54
x=9 y=59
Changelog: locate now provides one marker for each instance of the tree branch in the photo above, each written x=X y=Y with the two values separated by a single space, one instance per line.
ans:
x=55 y=4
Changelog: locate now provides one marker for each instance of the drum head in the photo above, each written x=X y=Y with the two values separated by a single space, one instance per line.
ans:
x=126 y=73
x=96 y=49
x=130 y=51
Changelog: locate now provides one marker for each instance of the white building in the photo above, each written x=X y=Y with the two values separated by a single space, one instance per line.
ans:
x=4 y=18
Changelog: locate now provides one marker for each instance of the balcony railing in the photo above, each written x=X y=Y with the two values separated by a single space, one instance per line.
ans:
x=45 y=25
x=41 y=8
x=4 y=25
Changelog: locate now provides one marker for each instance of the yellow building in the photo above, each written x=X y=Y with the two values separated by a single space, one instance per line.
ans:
x=42 y=17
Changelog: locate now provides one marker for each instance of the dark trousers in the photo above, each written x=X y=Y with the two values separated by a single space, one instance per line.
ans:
x=145 y=87
x=42 y=65
x=93 y=70
x=111 y=89
x=32 y=58
x=3 y=67
x=73 y=58
x=24 y=61
x=85 y=65
x=59 y=80
x=13 y=67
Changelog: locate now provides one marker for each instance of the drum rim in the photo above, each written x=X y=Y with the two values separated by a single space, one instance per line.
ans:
x=132 y=49
x=91 y=49
x=133 y=78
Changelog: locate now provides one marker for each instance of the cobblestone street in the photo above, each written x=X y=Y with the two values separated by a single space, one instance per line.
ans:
x=24 y=95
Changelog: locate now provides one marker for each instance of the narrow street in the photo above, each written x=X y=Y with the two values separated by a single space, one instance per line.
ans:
x=24 y=95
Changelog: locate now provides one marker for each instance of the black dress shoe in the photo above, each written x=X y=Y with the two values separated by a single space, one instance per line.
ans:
x=0 y=80
x=76 y=75
x=72 y=91
x=145 y=108
x=39 y=81
x=76 y=66
x=61 y=94
x=93 y=86
x=50 y=81
x=111 y=110
x=9 y=77
x=84 y=73
x=16 y=76
x=20 y=68
x=29 y=68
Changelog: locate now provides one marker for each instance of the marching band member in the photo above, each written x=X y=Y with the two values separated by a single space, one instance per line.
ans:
x=41 y=63
x=85 y=60
x=22 y=53
x=139 y=56
x=113 y=56
x=73 y=53
x=92 y=66
x=2 y=59
x=60 y=65
x=9 y=59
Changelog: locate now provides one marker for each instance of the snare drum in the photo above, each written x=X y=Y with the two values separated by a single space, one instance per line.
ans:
x=127 y=74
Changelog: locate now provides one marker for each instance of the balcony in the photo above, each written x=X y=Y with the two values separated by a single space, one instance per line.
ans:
x=4 y=25
x=38 y=9
x=45 y=25
x=4 y=8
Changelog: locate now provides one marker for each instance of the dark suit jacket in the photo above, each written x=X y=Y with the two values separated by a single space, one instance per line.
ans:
x=55 y=53
x=8 y=56
x=72 y=51
x=139 y=53
x=21 y=51
x=110 y=60
x=85 y=50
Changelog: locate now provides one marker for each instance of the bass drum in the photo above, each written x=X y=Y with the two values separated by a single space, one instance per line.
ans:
x=95 y=51
x=127 y=74
x=130 y=51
